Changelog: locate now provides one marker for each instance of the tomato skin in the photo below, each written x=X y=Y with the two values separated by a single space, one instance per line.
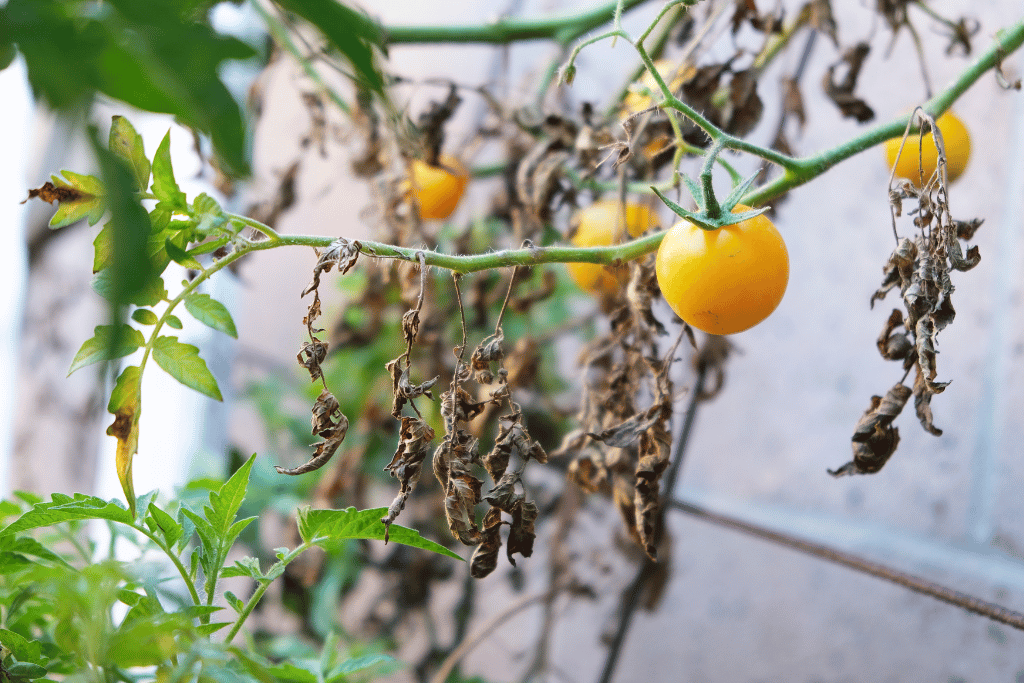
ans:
x=596 y=226
x=956 y=139
x=437 y=190
x=727 y=280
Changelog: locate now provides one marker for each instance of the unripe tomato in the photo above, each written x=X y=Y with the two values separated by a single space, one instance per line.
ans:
x=437 y=190
x=958 y=151
x=726 y=280
x=600 y=225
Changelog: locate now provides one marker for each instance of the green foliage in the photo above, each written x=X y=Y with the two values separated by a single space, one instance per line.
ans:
x=133 y=52
x=322 y=526
x=211 y=312
x=107 y=343
x=58 y=617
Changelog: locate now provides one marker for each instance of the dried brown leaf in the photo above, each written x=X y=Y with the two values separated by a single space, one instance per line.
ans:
x=311 y=355
x=923 y=392
x=875 y=439
x=654 y=460
x=407 y=464
x=485 y=557
x=487 y=351
x=822 y=19
x=522 y=534
x=841 y=92
x=340 y=253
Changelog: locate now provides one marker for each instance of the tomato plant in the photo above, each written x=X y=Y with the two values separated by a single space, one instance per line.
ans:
x=600 y=225
x=956 y=139
x=726 y=280
x=437 y=190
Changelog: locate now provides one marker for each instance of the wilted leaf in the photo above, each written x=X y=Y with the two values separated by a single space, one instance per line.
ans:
x=341 y=253
x=326 y=426
x=841 y=92
x=407 y=464
x=485 y=557
x=522 y=534
x=654 y=460
x=875 y=439
x=126 y=405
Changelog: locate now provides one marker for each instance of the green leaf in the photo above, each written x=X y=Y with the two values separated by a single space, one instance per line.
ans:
x=126 y=143
x=173 y=321
x=182 y=362
x=78 y=196
x=355 y=664
x=144 y=316
x=149 y=293
x=354 y=34
x=23 y=649
x=12 y=546
x=131 y=277
x=107 y=343
x=169 y=529
x=103 y=248
x=63 y=508
x=234 y=601
x=211 y=312
x=226 y=501
x=337 y=525
x=165 y=187
x=247 y=566
x=180 y=256
x=209 y=629
x=7 y=54
x=25 y=670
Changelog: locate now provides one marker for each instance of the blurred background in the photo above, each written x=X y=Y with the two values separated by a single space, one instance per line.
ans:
x=732 y=608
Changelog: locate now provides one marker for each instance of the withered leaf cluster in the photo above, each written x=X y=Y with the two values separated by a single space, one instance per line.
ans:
x=921 y=269
x=625 y=449
x=328 y=422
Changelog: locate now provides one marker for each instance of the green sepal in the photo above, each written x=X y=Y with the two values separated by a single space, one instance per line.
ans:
x=702 y=220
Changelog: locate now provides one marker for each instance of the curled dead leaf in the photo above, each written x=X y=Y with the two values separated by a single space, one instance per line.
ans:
x=875 y=439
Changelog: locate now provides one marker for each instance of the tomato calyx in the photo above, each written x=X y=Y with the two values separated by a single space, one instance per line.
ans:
x=712 y=215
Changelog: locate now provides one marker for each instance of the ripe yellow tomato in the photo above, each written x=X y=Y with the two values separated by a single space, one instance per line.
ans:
x=437 y=190
x=726 y=280
x=600 y=225
x=958 y=151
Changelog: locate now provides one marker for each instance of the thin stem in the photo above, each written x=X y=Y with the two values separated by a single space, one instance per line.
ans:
x=631 y=596
x=857 y=563
x=177 y=563
x=562 y=29
x=257 y=595
x=1007 y=41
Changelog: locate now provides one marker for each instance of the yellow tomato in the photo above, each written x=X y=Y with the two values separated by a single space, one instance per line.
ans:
x=601 y=224
x=437 y=189
x=726 y=280
x=958 y=151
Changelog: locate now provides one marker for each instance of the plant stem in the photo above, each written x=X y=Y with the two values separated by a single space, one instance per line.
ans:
x=262 y=588
x=562 y=29
x=177 y=563
x=1007 y=40
x=711 y=205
